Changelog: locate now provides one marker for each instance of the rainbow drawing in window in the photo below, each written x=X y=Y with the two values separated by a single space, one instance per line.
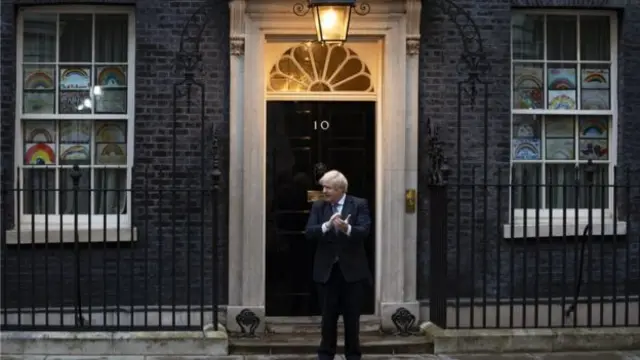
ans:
x=111 y=76
x=595 y=78
x=111 y=154
x=562 y=85
x=562 y=79
x=39 y=154
x=528 y=84
x=74 y=152
x=562 y=100
x=74 y=78
x=593 y=127
x=38 y=80
x=526 y=149
x=38 y=135
x=110 y=132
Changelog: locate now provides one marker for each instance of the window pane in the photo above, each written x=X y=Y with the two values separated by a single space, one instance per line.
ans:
x=75 y=37
x=38 y=89
x=39 y=38
x=561 y=186
x=594 y=137
x=110 y=92
x=561 y=37
x=39 y=139
x=111 y=132
x=562 y=87
x=527 y=33
x=595 y=38
x=75 y=142
x=110 y=189
x=38 y=187
x=111 y=142
x=564 y=181
x=67 y=192
x=75 y=85
x=595 y=91
x=594 y=192
x=528 y=83
x=526 y=137
x=527 y=192
x=560 y=137
x=112 y=36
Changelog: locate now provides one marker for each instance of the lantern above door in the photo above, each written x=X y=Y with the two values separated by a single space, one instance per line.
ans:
x=331 y=17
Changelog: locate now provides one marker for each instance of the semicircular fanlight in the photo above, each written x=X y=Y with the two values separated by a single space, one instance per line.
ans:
x=314 y=67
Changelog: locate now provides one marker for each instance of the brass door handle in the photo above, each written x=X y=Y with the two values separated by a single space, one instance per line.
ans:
x=313 y=195
x=410 y=201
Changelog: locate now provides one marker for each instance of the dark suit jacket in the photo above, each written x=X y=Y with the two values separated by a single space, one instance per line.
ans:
x=349 y=250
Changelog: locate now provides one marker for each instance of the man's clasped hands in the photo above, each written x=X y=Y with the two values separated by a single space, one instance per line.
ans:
x=336 y=222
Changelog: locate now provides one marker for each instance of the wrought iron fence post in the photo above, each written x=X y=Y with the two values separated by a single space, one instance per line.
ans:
x=4 y=196
x=438 y=203
x=75 y=178
x=216 y=175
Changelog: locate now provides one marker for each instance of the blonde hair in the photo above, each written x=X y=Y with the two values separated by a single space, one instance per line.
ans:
x=334 y=179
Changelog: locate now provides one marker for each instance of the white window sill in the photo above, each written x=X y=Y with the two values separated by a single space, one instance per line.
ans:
x=54 y=235
x=558 y=229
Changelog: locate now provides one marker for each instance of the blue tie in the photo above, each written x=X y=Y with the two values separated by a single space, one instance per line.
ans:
x=334 y=208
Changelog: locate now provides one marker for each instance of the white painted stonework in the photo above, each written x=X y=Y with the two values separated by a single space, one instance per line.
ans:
x=387 y=39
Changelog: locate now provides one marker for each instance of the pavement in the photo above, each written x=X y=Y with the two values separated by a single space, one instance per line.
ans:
x=613 y=355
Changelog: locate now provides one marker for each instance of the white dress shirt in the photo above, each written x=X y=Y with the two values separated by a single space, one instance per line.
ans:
x=339 y=206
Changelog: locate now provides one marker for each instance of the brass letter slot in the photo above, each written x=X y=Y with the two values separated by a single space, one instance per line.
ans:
x=313 y=195
x=410 y=201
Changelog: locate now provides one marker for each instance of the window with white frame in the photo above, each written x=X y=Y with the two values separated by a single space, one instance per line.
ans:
x=74 y=106
x=563 y=108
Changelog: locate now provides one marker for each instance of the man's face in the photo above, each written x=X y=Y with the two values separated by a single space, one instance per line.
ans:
x=332 y=194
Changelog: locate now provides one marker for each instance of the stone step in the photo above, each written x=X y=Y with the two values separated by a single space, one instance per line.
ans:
x=311 y=325
x=371 y=343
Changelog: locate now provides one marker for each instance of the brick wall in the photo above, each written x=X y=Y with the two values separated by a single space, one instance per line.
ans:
x=159 y=26
x=440 y=50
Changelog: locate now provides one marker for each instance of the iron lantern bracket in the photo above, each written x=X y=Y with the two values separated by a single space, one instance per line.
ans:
x=302 y=9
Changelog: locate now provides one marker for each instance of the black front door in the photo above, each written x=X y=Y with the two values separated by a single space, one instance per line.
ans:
x=302 y=138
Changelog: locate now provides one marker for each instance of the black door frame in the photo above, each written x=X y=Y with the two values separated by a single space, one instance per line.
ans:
x=376 y=211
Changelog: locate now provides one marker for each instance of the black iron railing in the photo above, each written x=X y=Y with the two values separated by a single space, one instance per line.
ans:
x=111 y=258
x=509 y=250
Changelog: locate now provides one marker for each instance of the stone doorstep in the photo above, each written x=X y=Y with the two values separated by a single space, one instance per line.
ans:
x=304 y=344
x=132 y=343
x=216 y=343
x=494 y=341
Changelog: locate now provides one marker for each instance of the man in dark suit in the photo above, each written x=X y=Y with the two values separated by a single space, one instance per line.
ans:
x=341 y=223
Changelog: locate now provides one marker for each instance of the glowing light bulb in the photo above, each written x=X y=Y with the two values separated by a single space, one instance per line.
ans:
x=329 y=19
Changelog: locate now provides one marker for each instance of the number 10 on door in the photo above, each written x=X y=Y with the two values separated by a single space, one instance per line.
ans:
x=323 y=125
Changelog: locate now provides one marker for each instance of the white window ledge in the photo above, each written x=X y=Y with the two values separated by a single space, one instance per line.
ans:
x=54 y=235
x=558 y=229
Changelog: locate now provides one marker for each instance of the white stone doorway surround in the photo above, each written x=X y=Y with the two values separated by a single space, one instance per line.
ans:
x=393 y=24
